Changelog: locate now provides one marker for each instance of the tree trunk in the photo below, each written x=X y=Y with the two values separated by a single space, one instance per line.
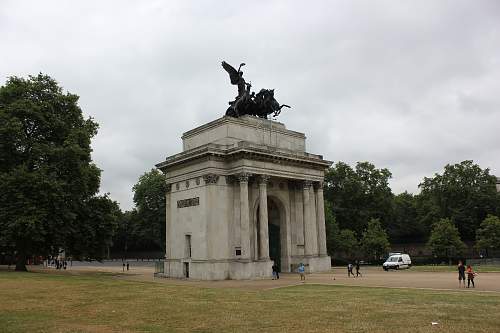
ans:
x=21 y=263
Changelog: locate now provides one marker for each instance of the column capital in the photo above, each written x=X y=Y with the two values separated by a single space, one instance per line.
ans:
x=210 y=178
x=243 y=177
x=306 y=184
x=263 y=179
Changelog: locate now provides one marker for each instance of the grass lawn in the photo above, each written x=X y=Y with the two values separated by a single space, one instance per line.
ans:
x=453 y=268
x=42 y=302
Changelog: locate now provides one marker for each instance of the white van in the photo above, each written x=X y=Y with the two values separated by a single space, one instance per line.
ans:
x=397 y=261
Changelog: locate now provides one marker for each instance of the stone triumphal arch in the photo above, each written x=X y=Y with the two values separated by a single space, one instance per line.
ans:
x=244 y=193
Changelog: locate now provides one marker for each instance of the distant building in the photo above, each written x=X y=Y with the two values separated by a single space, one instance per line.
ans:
x=498 y=184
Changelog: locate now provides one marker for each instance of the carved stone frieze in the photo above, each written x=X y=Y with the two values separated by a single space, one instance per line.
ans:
x=211 y=178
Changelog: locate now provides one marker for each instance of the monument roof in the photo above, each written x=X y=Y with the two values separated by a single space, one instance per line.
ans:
x=247 y=121
x=248 y=143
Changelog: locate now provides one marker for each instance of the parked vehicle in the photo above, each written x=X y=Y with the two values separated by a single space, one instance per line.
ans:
x=397 y=261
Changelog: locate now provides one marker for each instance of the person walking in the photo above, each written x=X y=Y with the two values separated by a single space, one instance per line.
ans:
x=302 y=271
x=358 y=273
x=461 y=274
x=349 y=270
x=275 y=272
x=470 y=276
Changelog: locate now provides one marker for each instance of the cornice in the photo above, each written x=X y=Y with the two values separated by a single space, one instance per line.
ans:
x=244 y=151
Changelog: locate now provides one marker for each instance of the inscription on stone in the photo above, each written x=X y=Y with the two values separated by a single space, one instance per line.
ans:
x=188 y=202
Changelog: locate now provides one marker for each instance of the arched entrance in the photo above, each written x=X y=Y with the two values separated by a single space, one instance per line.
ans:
x=274 y=217
x=274 y=233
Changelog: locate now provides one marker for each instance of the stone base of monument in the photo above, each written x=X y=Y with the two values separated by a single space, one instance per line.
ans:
x=238 y=270
x=217 y=270
x=313 y=264
x=241 y=188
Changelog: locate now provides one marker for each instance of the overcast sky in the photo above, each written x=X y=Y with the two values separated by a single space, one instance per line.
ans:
x=407 y=85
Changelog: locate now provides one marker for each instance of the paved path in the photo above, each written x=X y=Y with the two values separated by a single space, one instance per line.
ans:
x=372 y=277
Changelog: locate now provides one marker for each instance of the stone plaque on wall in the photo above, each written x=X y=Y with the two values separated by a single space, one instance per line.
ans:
x=188 y=202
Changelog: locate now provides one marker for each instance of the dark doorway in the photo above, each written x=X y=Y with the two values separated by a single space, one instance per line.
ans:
x=274 y=233
x=186 y=270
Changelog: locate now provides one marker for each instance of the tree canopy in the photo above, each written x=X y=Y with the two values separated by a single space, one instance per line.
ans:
x=149 y=198
x=359 y=194
x=142 y=229
x=464 y=193
x=332 y=230
x=405 y=226
x=444 y=240
x=47 y=176
x=374 y=241
x=488 y=234
x=348 y=243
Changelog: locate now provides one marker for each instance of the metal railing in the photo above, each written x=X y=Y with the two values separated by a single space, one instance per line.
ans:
x=159 y=267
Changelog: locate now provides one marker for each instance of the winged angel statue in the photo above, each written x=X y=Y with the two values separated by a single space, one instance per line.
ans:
x=261 y=104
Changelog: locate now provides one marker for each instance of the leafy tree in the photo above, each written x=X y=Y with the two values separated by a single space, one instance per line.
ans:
x=359 y=194
x=98 y=218
x=47 y=177
x=149 y=198
x=444 y=240
x=488 y=235
x=348 y=244
x=332 y=230
x=405 y=226
x=374 y=242
x=126 y=236
x=464 y=193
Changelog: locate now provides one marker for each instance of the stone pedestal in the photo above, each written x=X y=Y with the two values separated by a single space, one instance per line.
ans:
x=244 y=193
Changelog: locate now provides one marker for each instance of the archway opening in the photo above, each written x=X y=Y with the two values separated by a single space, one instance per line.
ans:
x=274 y=232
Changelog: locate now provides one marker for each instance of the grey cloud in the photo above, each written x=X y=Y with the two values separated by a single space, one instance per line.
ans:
x=410 y=86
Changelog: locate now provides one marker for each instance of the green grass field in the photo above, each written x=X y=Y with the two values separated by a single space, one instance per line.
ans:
x=41 y=302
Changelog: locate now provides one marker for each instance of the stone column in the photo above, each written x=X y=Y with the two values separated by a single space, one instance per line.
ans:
x=211 y=232
x=168 y=222
x=244 y=216
x=308 y=230
x=263 y=219
x=298 y=225
x=314 y=228
x=320 y=218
